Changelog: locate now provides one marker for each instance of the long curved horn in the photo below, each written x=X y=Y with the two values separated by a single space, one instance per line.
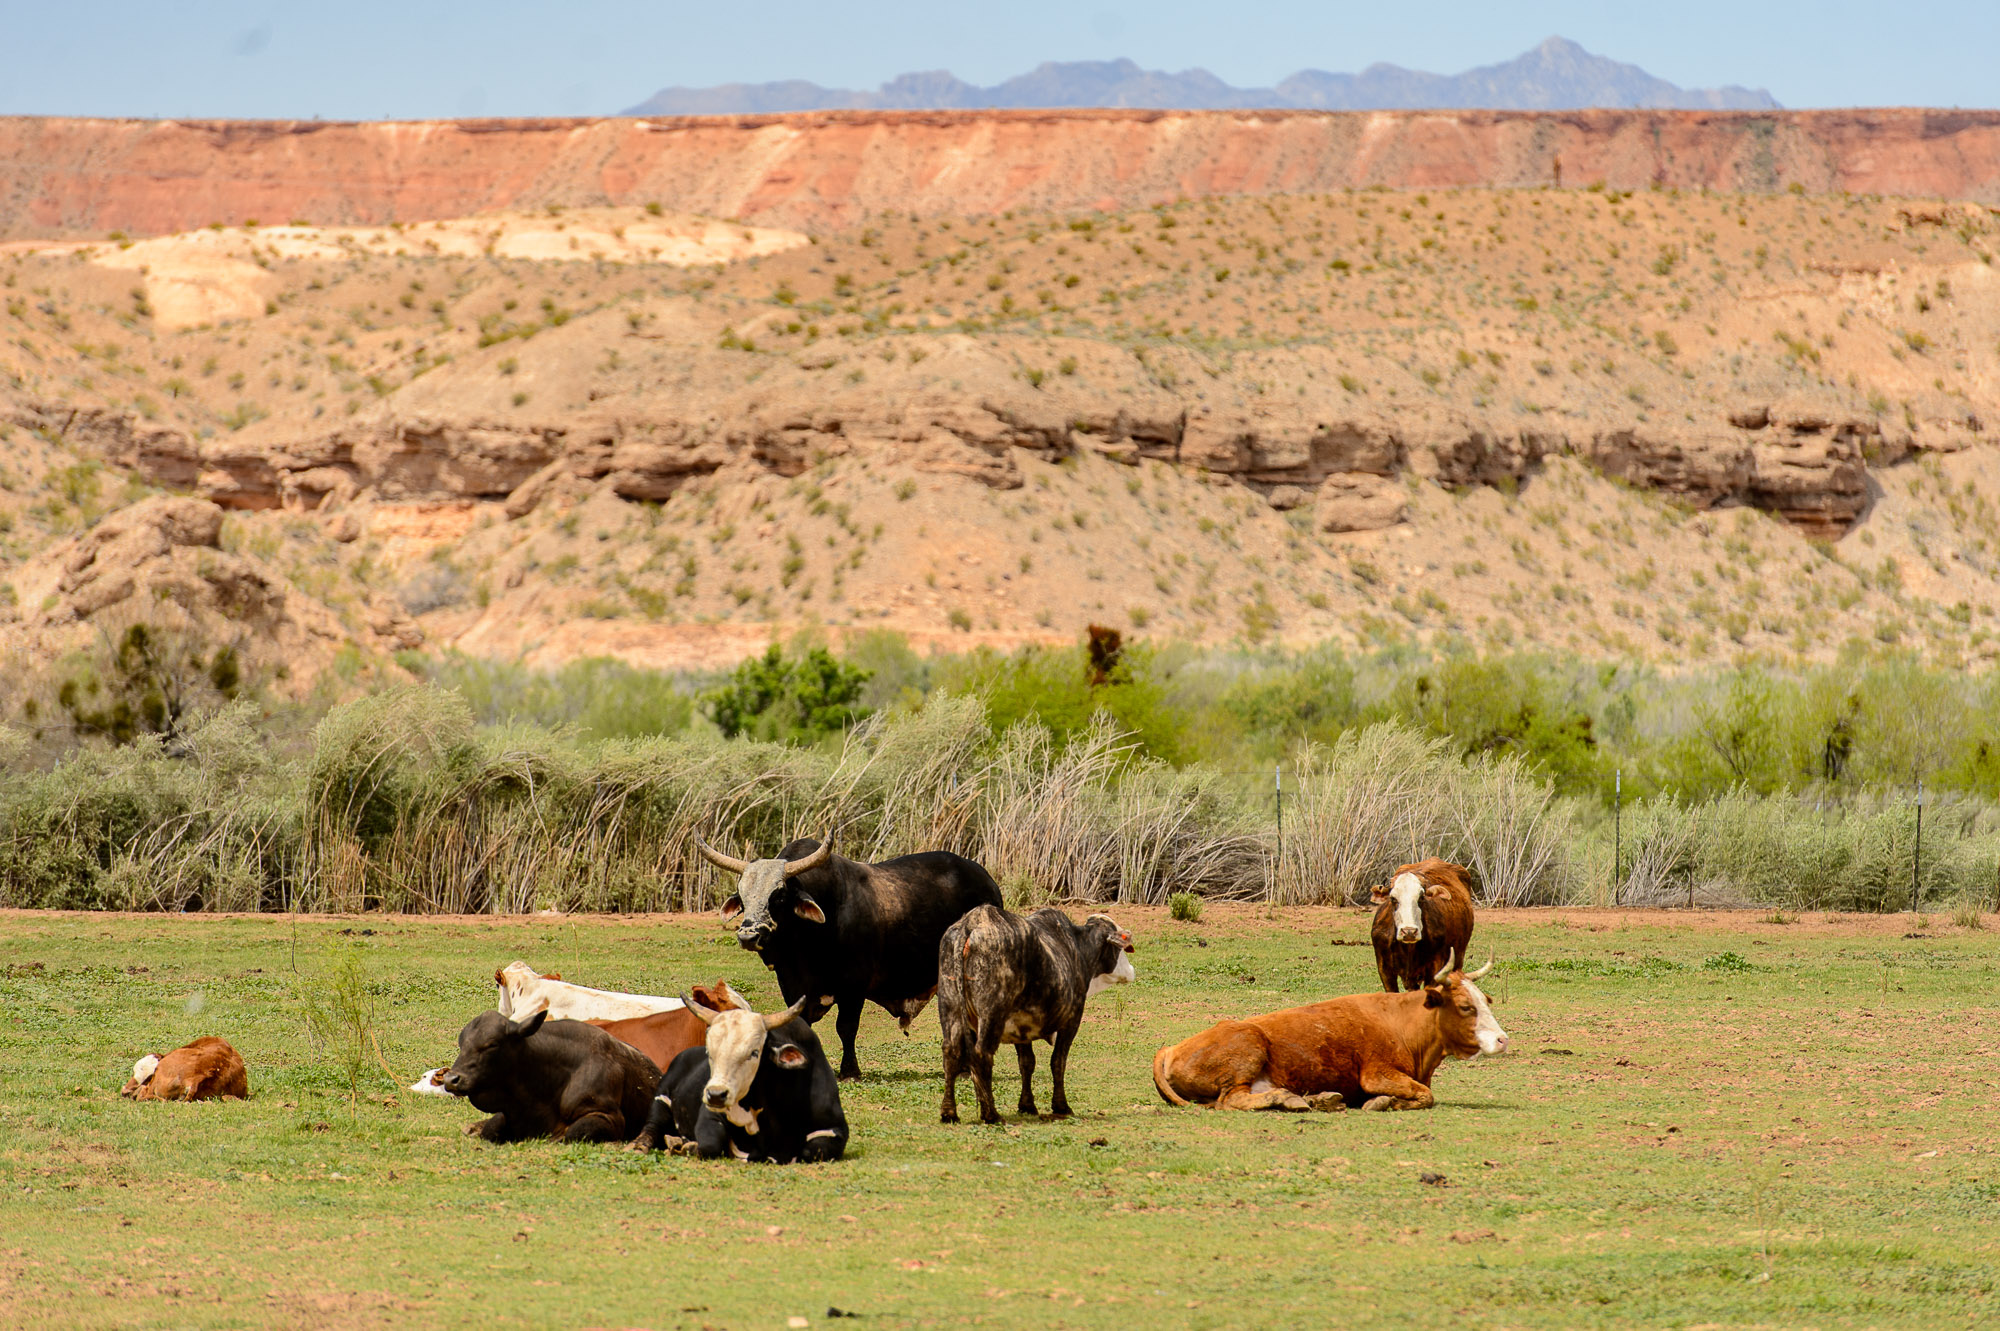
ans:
x=773 y=1020
x=718 y=859
x=1474 y=975
x=707 y=1014
x=1450 y=965
x=812 y=861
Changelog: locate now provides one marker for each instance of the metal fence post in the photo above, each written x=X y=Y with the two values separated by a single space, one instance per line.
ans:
x=1917 y=855
x=1617 y=836
x=1278 y=790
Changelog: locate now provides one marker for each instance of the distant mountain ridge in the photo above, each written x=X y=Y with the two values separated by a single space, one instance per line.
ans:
x=1556 y=75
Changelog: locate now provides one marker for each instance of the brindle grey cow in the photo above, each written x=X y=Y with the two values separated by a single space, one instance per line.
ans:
x=1006 y=979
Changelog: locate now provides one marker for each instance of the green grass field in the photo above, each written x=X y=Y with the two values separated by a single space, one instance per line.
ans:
x=1704 y=1120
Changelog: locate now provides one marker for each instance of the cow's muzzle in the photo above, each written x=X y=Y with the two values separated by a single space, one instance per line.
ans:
x=716 y=1098
x=1408 y=935
x=752 y=938
x=456 y=1083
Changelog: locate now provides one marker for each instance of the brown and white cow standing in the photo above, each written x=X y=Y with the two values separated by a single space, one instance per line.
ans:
x=1423 y=920
x=1375 y=1051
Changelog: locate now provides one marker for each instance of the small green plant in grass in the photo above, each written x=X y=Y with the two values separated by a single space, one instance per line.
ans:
x=1185 y=906
x=1968 y=915
x=340 y=1015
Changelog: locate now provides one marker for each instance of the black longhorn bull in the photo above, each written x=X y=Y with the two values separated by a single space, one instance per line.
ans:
x=839 y=933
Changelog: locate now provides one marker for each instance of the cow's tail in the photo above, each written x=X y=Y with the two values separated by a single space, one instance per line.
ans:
x=1162 y=1069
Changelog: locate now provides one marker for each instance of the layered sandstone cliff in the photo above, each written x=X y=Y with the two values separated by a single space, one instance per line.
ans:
x=63 y=176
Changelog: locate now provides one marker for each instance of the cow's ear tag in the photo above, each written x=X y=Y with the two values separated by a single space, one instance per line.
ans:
x=791 y=1056
x=808 y=909
x=733 y=906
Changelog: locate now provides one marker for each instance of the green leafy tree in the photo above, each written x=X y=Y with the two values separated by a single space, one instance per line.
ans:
x=797 y=700
x=147 y=683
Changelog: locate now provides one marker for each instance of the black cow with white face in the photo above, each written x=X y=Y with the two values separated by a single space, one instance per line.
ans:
x=840 y=933
x=542 y=1078
x=759 y=1088
x=1008 y=979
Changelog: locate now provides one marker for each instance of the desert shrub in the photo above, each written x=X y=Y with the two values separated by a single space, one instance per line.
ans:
x=1052 y=687
x=1185 y=906
x=1514 y=706
x=599 y=697
x=799 y=699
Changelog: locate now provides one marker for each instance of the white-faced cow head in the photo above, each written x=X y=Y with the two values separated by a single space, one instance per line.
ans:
x=1406 y=893
x=764 y=892
x=1111 y=949
x=735 y=1048
x=1465 y=1018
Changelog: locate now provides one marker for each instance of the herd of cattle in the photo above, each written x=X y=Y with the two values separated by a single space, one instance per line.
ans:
x=708 y=1075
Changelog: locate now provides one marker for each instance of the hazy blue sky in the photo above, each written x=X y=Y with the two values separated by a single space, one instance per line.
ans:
x=418 y=58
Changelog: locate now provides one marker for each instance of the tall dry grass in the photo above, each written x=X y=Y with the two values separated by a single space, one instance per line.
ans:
x=405 y=804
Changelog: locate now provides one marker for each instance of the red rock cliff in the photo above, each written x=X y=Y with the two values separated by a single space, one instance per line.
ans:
x=828 y=168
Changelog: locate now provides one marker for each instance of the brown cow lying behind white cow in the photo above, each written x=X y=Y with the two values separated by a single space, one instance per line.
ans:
x=1008 y=979
x=1374 y=1051
x=208 y=1069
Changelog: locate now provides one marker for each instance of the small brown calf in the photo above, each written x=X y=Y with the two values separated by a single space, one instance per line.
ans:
x=208 y=1069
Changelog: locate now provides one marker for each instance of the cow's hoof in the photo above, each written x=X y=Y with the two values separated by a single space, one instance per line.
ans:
x=1381 y=1102
x=949 y=1116
x=1327 y=1102
x=472 y=1129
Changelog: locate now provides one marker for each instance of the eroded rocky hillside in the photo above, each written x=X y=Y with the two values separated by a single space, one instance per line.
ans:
x=1669 y=425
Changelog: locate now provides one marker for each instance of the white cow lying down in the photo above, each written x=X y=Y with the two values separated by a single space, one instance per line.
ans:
x=522 y=991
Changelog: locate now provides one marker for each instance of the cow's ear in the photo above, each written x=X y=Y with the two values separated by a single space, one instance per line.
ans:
x=528 y=1025
x=1436 y=890
x=790 y=1056
x=806 y=908
x=733 y=906
x=1433 y=996
x=1378 y=894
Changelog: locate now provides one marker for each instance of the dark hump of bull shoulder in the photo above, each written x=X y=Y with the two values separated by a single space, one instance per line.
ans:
x=930 y=890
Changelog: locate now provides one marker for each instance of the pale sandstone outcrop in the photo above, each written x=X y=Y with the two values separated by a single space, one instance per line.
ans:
x=1356 y=501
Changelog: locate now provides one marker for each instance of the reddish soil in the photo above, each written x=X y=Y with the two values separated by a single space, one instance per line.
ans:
x=67 y=176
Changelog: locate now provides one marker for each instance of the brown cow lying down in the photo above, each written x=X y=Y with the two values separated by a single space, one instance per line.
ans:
x=208 y=1069
x=662 y=1035
x=1377 y=1051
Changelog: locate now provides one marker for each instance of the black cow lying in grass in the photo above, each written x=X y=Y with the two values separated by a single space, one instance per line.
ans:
x=760 y=1088
x=1005 y=979
x=542 y=1078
